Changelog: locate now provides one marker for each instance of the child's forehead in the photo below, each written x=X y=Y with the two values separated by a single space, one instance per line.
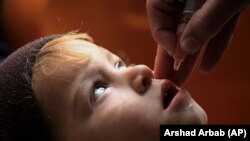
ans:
x=80 y=46
x=83 y=45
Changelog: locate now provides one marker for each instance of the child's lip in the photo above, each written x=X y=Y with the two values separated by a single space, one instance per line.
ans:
x=173 y=98
x=179 y=101
x=168 y=90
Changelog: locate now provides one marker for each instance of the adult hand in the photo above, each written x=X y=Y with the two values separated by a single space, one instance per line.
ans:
x=211 y=26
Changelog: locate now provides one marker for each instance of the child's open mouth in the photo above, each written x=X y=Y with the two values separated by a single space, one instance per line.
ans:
x=169 y=91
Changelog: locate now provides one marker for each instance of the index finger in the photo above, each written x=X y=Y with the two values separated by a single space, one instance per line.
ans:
x=162 y=23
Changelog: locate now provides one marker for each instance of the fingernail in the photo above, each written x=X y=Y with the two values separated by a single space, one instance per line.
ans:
x=190 y=46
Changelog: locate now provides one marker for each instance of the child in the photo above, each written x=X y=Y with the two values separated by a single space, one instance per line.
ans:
x=66 y=88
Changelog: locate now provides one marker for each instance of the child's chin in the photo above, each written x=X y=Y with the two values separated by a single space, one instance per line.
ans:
x=195 y=119
x=194 y=114
x=198 y=114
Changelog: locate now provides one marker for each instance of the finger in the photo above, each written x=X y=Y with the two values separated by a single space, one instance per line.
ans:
x=163 y=68
x=218 y=45
x=163 y=64
x=162 y=24
x=207 y=22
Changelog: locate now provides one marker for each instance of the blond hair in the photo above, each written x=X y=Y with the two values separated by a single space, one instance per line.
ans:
x=56 y=55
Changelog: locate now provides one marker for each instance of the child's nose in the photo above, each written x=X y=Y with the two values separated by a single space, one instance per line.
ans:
x=140 y=78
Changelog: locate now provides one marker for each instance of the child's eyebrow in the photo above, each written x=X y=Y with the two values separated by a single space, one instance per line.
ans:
x=123 y=57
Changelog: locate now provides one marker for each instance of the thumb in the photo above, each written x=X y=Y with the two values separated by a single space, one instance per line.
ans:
x=207 y=22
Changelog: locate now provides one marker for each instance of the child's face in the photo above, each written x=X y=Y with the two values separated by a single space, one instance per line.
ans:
x=104 y=99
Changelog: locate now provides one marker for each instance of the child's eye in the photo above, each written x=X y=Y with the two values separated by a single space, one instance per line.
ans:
x=98 y=90
x=120 y=65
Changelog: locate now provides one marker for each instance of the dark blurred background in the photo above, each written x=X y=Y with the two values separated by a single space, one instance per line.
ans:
x=123 y=26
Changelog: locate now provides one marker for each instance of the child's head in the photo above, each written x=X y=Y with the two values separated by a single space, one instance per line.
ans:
x=85 y=92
